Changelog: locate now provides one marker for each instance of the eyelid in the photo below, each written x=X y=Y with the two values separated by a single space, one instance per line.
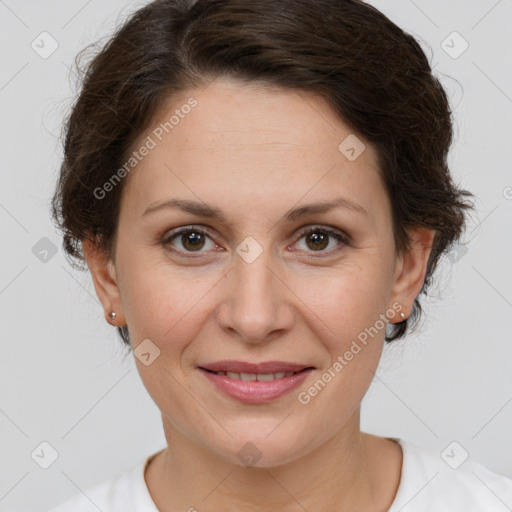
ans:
x=327 y=229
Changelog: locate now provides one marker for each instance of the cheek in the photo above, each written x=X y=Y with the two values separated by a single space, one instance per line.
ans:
x=346 y=300
x=158 y=297
x=347 y=314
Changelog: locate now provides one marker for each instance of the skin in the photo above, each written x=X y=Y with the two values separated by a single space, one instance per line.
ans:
x=254 y=153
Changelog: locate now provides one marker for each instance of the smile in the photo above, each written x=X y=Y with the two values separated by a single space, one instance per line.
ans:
x=255 y=388
x=261 y=377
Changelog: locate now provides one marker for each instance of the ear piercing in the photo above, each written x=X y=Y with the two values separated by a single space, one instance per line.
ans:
x=123 y=331
x=112 y=315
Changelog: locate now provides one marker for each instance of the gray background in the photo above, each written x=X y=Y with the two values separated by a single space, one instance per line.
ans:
x=62 y=376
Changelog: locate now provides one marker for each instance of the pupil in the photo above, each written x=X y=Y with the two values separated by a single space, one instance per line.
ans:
x=318 y=238
x=195 y=238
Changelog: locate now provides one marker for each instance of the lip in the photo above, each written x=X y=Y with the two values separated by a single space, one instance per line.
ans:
x=256 y=392
x=246 y=367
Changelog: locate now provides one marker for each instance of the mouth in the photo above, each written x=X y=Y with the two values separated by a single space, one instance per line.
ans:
x=253 y=383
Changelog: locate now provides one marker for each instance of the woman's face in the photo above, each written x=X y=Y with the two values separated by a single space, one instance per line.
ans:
x=255 y=287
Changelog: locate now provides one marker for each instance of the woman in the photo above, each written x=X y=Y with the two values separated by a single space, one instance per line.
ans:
x=260 y=191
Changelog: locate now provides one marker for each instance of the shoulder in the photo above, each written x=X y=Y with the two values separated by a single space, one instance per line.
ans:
x=448 y=482
x=126 y=492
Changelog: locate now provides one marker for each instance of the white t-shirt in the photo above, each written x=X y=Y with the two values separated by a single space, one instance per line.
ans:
x=428 y=484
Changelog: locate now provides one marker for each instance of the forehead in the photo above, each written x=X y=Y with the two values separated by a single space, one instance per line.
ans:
x=233 y=115
x=251 y=143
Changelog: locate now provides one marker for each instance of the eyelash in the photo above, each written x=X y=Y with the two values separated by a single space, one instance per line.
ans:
x=341 y=237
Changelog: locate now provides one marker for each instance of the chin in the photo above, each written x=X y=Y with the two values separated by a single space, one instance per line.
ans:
x=266 y=450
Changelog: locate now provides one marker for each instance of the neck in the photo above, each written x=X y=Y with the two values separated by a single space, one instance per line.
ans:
x=344 y=473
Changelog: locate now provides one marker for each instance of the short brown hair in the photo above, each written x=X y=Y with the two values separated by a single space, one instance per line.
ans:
x=373 y=74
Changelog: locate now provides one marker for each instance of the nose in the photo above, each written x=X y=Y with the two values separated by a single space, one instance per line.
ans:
x=257 y=305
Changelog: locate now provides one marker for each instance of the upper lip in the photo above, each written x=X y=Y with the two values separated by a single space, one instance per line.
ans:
x=246 y=367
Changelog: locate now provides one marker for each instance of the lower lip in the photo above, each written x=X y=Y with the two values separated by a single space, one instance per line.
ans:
x=254 y=391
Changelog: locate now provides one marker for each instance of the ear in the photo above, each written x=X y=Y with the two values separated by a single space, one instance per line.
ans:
x=411 y=267
x=104 y=277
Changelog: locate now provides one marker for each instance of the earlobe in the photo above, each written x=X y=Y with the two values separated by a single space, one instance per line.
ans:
x=412 y=267
x=103 y=273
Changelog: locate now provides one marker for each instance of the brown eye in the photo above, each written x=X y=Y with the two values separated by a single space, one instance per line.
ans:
x=190 y=239
x=318 y=239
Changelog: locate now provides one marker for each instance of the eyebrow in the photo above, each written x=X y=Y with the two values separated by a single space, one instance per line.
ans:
x=204 y=210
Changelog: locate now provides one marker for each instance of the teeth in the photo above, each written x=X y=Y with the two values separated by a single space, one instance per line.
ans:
x=262 y=377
